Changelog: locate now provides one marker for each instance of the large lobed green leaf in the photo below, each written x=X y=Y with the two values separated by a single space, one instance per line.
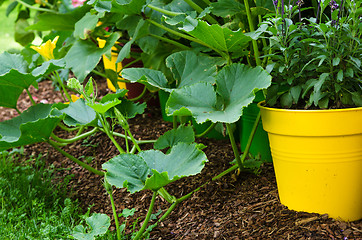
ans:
x=59 y=21
x=189 y=68
x=82 y=113
x=129 y=7
x=130 y=109
x=226 y=8
x=198 y=100
x=149 y=77
x=183 y=160
x=186 y=66
x=12 y=61
x=98 y=225
x=153 y=169
x=79 y=114
x=85 y=25
x=127 y=170
x=32 y=126
x=173 y=137
x=84 y=56
x=236 y=87
x=15 y=76
x=102 y=108
x=220 y=38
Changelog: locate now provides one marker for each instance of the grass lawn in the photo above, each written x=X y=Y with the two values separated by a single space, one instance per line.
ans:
x=32 y=205
x=7 y=30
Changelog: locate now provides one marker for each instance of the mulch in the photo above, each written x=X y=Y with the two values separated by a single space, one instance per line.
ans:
x=237 y=206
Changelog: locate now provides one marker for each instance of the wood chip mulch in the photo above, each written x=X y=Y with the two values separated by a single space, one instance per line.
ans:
x=242 y=206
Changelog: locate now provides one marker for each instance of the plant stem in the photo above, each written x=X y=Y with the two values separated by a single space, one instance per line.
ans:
x=133 y=62
x=180 y=45
x=60 y=144
x=227 y=171
x=147 y=219
x=198 y=9
x=161 y=10
x=59 y=80
x=129 y=138
x=68 y=129
x=177 y=201
x=212 y=126
x=119 y=237
x=251 y=136
x=174 y=122
x=80 y=130
x=64 y=153
x=36 y=8
x=188 y=37
x=251 y=26
x=109 y=133
x=168 y=212
x=74 y=139
x=30 y=96
x=139 y=96
x=234 y=146
x=134 y=140
x=166 y=195
x=164 y=216
x=183 y=119
x=207 y=2
x=133 y=150
x=126 y=139
x=99 y=73
x=265 y=45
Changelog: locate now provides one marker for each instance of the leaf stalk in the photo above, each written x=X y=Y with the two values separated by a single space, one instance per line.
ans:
x=234 y=147
x=84 y=165
x=212 y=126
x=108 y=187
x=252 y=29
x=251 y=137
x=148 y=216
x=74 y=139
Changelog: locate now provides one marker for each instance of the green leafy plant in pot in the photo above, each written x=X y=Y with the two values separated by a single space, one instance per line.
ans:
x=312 y=111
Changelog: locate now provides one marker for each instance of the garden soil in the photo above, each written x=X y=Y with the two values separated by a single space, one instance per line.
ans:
x=237 y=206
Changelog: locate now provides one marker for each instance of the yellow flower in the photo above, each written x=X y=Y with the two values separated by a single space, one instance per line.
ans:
x=75 y=98
x=46 y=49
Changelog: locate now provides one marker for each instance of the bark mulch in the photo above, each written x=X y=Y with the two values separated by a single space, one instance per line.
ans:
x=242 y=206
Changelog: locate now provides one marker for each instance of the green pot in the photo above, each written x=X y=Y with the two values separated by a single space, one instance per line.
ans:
x=163 y=97
x=260 y=143
x=200 y=128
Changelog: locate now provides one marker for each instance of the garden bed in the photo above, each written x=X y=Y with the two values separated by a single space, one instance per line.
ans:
x=243 y=206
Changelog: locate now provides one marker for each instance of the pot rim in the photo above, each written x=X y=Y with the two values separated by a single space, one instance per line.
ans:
x=262 y=103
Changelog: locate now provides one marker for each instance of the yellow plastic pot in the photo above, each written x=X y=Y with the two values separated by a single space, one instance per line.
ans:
x=317 y=157
x=112 y=65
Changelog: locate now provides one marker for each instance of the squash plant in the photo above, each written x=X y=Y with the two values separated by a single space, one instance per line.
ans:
x=158 y=28
x=37 y=124
x=147 y=170
x=196 y=94
x=208 y=80
x=207 y=37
